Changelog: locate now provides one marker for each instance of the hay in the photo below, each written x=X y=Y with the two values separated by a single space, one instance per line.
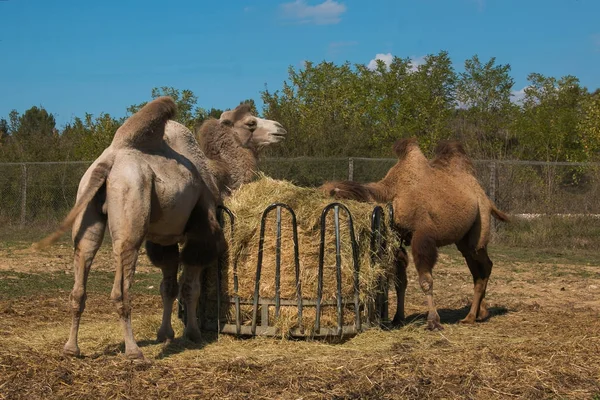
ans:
x=248 y=203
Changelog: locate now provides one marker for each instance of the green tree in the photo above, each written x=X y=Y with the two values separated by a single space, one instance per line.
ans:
x=548 y=126
x=484 y=91
x=34 y=136
x=3 y=130
x=85 y=139
x=354 y=110
x=202 y=114
x=432 y=100
x=589 y=127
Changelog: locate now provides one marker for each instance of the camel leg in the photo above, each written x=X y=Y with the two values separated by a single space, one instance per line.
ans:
x=424 y=251
x=400 y=282
x=480 y=266
x=125 y=253
x=167 y=259
x=128 y=205
x=190 y=293
x=205 y=242
x=88 y=233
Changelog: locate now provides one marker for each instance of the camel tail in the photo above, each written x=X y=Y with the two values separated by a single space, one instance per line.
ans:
x=145 y=129
x=500 y=215
x=97 y=179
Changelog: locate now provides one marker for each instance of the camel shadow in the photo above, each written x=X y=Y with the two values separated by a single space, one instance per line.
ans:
x=172 y=347
x=181 y=344
x=453 y=316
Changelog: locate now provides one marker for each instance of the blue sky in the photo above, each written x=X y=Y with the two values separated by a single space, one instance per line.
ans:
x=74 y=56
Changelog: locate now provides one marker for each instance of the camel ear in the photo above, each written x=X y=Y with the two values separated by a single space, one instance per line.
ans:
x=226 y=122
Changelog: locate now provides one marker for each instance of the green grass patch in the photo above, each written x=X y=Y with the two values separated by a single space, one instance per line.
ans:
x=554 y=233
x=18 y=284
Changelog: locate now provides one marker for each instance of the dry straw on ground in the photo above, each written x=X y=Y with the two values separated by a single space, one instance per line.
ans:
x=248 y=203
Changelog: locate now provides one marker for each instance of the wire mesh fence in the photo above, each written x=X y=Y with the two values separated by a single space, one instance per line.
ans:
x=41 y=193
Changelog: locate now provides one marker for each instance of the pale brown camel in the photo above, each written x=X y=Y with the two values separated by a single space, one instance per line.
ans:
x=435 y=203
x=153 y=182
x=232 y=144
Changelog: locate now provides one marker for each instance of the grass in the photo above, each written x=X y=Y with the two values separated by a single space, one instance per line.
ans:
x=19 y=284
x=554 y=233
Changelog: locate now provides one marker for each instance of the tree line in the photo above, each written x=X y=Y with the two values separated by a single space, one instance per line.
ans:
x=353 y=110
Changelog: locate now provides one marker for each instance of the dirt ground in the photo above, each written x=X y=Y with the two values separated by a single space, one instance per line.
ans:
x=542 y=340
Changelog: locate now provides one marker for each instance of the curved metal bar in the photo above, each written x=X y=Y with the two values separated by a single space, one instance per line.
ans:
x=220 y=210
x=376 y=309
x=278 y=207
x=336 y=206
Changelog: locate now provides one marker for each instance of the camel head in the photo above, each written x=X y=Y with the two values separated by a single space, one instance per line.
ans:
x=251 y=131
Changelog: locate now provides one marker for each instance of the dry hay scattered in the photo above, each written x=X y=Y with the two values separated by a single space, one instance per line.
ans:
x=248 y=203
x=543 y=345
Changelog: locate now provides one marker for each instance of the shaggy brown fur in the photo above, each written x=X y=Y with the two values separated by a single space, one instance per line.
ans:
x=437 y=202
x=232 y=144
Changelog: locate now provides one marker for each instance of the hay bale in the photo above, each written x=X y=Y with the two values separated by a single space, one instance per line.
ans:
x=248 y=203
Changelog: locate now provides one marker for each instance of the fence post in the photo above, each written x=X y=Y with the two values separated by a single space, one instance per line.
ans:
x=23 y=193
x=350 y=169
x=493 y=186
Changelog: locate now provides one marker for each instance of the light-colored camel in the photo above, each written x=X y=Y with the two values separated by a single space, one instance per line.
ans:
x=153 y=182
x=435 y=203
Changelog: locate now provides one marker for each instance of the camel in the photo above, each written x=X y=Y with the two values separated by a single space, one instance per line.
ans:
x=152 y=183
x=232 y=144
x=435 y=203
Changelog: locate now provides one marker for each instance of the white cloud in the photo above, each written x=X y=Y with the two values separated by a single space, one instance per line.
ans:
x=517 y=96
x=328 y=12
x=386 y=58
x=415 y=62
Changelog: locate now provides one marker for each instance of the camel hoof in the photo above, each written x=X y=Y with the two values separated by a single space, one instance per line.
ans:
x=193 y=335
x=134 y=354
x=469 y=319
x=398 y=322
x=434 y=326
x=483 y=316
x=165 y=335
x=71 y=351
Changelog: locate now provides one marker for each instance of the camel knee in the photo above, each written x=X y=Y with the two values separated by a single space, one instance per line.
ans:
x=190 y=289
x=77 y=299
x=169 y=288
x=426 y=283
x=122 y=302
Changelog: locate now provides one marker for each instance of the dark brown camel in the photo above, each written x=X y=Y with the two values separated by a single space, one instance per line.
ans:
x=436 y=203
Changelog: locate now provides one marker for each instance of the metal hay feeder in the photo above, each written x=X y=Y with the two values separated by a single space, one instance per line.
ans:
x=366 y=315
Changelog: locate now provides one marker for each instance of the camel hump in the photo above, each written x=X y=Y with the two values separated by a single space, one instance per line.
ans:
x=403 y=146
x=145 y=129
x=450 y=148
x=451 y=151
